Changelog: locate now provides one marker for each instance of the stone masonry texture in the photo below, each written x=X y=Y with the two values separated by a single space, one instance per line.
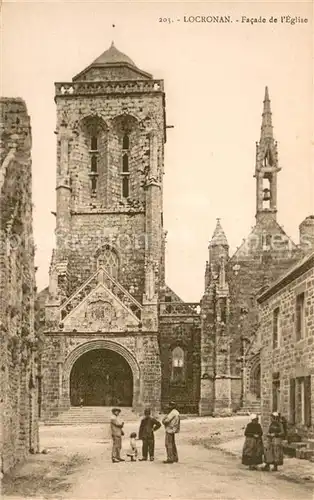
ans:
x=19 y=342
x=292 y=357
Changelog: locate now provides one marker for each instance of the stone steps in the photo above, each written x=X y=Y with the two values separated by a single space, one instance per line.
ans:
x=90 y=415
x=250 y=407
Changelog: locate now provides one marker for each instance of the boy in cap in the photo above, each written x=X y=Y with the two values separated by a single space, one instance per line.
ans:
x=146 y=433
x=116 y=433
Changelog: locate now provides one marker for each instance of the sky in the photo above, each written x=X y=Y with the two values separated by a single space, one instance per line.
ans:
x=215 y=76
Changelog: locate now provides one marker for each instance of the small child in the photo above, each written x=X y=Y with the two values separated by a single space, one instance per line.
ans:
x=132 y=452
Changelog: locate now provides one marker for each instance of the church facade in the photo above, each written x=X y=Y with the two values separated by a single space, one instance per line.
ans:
x=115 y=333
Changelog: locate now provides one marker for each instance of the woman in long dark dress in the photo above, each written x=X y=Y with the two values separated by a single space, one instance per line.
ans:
x=273 y=446
x=252 y=454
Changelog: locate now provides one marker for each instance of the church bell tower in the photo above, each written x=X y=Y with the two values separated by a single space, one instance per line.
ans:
x=267 y=168
x=107 y=266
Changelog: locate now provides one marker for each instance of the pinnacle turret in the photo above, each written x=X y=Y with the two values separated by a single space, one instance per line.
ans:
x=219 y=238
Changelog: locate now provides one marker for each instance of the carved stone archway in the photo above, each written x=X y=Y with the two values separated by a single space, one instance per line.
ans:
x=99 y=344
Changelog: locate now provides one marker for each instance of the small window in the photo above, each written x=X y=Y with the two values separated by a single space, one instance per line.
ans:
x=168 y=307
x=268 y=240
x=94 y=164
x=276 y=332
x=301 y=401
x=93 y=144
x=178 y=365
x=125 y=187
x=292 y=415
x=276 y=392
x=125 y=163
x=125 y=142
x=94 y=185
x=300 y=316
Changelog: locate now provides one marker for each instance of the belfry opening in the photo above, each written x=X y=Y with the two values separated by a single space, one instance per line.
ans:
x=101 y=377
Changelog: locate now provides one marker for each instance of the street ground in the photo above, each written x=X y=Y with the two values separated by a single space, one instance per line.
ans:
x=78 y=466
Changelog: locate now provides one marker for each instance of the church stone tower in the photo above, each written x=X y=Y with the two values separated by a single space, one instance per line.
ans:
x=266 y=167
x=106 y=269
x=230 y=350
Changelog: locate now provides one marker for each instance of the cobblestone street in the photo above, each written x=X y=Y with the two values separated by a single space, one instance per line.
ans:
x=201 y=474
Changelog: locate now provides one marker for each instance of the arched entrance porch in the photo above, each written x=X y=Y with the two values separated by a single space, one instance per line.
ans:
x=101 y=372
x=101 y=377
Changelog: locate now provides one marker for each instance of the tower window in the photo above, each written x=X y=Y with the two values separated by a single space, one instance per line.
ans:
x=126 y=142
x=94 y=185
x=266 y=193
x=110 y=261
x=93 y=144
x=178 y=365
x=125 y=166
x=94 y=163
x=125 y=163
x=125 y=187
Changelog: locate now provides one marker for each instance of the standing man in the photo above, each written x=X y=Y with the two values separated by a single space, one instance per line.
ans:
x=116 y=433
x=146 y=433
x=172 y=427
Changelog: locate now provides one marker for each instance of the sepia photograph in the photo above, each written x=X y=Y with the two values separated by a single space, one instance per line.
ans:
x=156 y=250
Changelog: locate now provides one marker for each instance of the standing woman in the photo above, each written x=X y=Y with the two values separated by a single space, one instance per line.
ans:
x=252 y=454
x=273 y=447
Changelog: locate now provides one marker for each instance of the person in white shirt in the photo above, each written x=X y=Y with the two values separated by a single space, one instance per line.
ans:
x=172 y=427
x=116 y=425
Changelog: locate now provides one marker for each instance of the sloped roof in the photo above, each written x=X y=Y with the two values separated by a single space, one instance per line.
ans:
x=113 y=56
x=110 y=58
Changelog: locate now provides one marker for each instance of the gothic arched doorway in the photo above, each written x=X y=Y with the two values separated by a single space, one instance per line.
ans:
x=101 y=377
x=255 y=380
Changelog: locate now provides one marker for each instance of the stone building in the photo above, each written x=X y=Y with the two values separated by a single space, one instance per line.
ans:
x=18 y=381
x=230 y=357
x=110 y=339
x=287 y=348
x=115 y=332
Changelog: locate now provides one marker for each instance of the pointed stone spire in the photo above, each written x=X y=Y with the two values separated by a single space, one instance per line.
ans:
x=267 y=127
x=266 y=167
x=219 y=238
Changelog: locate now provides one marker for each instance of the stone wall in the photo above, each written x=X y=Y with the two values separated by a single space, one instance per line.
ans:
x=290 y=360
x=18 y=338
x=184 y=333
x=126 y=235
x=254 y=274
